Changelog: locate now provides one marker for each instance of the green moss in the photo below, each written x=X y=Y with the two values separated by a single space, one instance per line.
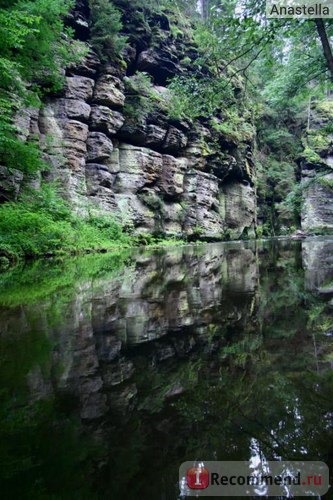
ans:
x=325 y=108
x=152 y=201
x=186 y=61
x=236 y=133
x=326 y=182
x=311 y=156
x=234 y=127
x=318 y=142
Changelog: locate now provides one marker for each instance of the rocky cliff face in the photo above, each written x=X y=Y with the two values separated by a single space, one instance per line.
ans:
x=152 y=173
x=317 y=170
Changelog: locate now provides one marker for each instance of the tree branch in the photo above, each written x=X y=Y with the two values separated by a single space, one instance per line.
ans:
x=325 y=44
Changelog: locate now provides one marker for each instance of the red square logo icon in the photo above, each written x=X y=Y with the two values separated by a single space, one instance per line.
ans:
x=197 y=478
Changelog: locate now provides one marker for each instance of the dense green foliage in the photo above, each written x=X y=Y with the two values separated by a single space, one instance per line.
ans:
x=106 y=26
x=34 y=48
x=195 y=97
x=278 y=146
x=284 y=68
x=43 y=224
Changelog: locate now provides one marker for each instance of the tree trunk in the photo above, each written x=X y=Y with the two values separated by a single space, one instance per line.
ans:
x=206 y=9
x=203 y=8
x=325 y=44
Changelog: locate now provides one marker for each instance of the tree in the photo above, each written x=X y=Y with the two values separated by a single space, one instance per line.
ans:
x=35 y=46
x=246 y=34
x=325 y=44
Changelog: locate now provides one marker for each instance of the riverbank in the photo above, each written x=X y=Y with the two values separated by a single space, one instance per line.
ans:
x=42 y=225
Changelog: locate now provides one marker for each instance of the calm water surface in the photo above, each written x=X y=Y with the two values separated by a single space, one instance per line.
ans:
x=116 y=368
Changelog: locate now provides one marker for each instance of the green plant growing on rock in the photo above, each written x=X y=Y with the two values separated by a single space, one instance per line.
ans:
x=198 y=231
x=32 y=36
x=294 y=200
x=326 y=182
x=41 y=223
x=318 y=141
x=234 y=127
x=152 y=201
x=193 y=97
x=272 y=138
x=141 y=98
x=310 y=156
x=106 y=27
x=325 y=107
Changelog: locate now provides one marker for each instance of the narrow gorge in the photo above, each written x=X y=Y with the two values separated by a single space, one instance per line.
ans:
x=166 y=250
x=157 y=132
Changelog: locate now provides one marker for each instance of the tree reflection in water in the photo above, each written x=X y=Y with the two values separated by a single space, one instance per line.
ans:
x=115 y=369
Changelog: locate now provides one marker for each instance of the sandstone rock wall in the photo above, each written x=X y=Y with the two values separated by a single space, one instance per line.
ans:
x=317 y=171
x=150 y=172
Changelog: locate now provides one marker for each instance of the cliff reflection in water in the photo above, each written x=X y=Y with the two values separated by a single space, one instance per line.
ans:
x=115 y=369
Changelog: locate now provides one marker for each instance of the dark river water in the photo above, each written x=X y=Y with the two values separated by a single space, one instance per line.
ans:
x=115 y=369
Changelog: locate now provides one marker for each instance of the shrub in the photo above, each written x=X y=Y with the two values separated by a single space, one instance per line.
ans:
x=141 y=99
x=42 y=224
x=106 y=26
x=198 y=97
x=35 y=46
x=319 y=142
x=234 y=128
x=310 y=156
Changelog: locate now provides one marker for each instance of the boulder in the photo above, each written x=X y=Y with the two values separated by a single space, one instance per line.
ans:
x=10 y=182
x=71 y=108
x=143 y=161
x=109 y=91
x=172 y=178
x=86 y=67
x=159 y=64
x=134 y=131
x=173 y=218
x=103 y=119
x=238 y=208
x=202 y=214
x=98 y=175
x=26 y=123
x=132 y=212
x=79 y=87
x=139 y=167
x=117 y=373
x=317 y=207
x=75 y=131
x=155 y=136
x=99 y=147
x=175 y=140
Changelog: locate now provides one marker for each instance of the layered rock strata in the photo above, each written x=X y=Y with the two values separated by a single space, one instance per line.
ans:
x=152 y=173
x=317 y=170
